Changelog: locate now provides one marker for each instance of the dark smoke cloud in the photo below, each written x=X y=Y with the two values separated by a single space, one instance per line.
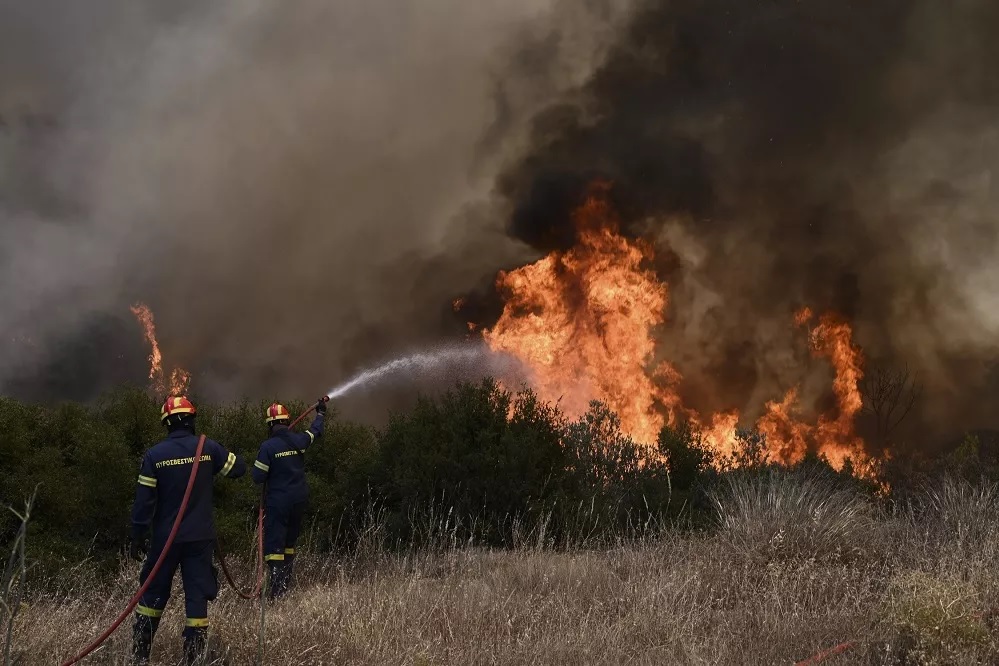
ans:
x=837 y=154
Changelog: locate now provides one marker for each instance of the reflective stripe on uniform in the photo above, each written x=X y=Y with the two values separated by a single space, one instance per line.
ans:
x=147 y=481
x=230 y=461
x=279 y=556
x=261 y=466
x=197 y=621
x=312 y=437
x=289 y=551
x=148 y=612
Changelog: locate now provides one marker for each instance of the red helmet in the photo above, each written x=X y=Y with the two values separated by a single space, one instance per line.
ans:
x=277 y=412
x=177 y=405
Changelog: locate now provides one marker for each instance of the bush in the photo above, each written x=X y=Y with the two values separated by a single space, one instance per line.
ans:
x=793 y=514
x=957 y=512
x=479 y=454
x=476 y=464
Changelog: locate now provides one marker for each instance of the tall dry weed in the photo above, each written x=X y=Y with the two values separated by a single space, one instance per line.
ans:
x=775 y=582
x=781 y=514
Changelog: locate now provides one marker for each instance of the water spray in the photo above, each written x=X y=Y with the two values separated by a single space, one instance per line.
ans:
x=424 y=362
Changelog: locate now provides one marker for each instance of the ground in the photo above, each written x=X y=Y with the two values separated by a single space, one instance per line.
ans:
x=768 y=584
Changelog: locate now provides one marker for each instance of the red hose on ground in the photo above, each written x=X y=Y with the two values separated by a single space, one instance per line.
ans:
x=825 y=654
x=156 y=567
x=253 y=594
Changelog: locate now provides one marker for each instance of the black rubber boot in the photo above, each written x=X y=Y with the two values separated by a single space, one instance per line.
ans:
x=279 y=579
x=289 y=576
x=196 y=645
x=143 y=632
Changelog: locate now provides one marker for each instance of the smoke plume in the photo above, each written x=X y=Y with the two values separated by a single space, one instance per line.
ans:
x=297 y=190
x=832 y=154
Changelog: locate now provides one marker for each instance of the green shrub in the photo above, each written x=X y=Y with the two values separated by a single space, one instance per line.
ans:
x=477 y=463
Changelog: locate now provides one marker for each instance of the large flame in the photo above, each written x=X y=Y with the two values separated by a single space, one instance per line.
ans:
x=180 y=379
x=583 y=322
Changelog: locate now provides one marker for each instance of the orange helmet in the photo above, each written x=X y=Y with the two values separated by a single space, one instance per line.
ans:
x=277 y=412
x=177 y=405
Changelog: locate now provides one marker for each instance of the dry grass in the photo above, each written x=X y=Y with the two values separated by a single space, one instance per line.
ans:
x=908 y=586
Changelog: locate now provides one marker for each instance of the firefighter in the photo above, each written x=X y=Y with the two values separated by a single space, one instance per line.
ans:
x=163 y=479
x=281 y=465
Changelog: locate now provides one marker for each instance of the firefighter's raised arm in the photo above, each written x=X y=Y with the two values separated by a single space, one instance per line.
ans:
x=315 y=431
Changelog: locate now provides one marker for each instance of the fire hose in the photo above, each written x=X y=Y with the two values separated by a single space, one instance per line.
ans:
x=97 y=642
x=825 y=654
x=260 y=557
x=156 y=567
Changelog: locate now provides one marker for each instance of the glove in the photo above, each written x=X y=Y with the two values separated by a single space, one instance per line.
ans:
x=321 y=406
x=138 y=548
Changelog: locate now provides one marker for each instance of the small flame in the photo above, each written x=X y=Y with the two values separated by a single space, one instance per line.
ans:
x=179 y=379
x=788 y=436
x=145 y=317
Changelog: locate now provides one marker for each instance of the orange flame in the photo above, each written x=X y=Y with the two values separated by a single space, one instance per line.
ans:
x=580 y=321
x=583 y=321
x=833 y=339
x=145 y=317
x=179 y=379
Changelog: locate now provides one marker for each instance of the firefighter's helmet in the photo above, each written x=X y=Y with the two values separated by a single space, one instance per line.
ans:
x=175 y=405
x=277 y=413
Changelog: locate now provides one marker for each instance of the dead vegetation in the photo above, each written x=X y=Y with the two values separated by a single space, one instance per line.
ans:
x=792 y=567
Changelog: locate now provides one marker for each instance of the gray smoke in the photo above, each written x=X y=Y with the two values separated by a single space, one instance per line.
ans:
x=295 y=190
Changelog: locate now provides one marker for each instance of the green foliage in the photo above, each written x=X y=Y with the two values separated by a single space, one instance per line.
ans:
x=692 y=468
x=477 y=463
x=478 y=452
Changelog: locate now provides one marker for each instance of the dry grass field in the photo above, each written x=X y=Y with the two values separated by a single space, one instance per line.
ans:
x=794 y=566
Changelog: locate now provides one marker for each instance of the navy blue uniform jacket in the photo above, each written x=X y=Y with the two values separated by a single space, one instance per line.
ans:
x=163 y=478
x=281 y=463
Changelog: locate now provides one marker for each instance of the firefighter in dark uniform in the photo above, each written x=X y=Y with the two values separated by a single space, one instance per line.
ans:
x=281 y=465
x=166 y=469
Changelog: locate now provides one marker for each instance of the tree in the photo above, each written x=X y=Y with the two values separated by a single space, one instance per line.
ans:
x=888 y=397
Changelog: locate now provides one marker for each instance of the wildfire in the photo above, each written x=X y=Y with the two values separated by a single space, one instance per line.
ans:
x=581 y=319
x=583 y=322
x=179 y=379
